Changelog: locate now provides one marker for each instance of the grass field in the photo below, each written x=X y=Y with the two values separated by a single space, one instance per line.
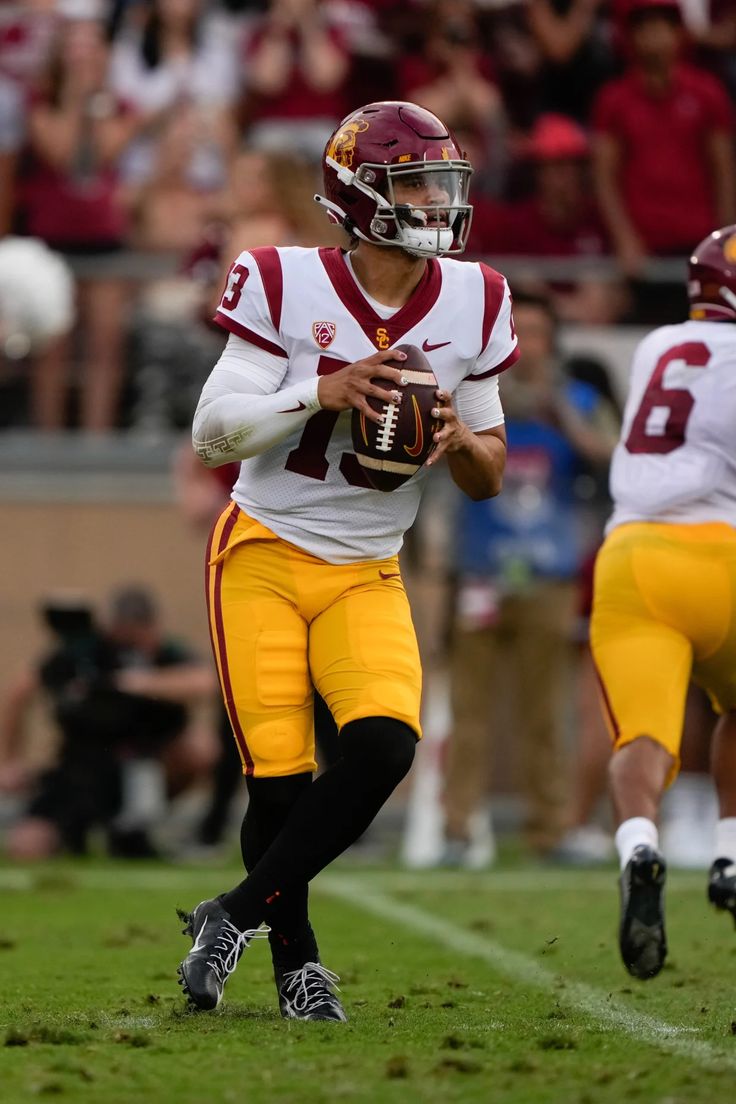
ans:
x=497 y=987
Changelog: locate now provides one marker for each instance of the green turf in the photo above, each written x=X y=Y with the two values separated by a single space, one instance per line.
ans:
x=90 y=1012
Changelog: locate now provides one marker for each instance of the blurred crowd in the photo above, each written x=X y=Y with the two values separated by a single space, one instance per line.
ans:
x=144 y=143
x=182 y=131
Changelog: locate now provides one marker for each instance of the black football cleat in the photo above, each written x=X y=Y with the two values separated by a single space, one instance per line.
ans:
x=216 y=949
x=722 y=886
x=642 y=937
x=307 y=993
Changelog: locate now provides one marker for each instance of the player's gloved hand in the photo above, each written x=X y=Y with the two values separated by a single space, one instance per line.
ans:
x=454 y=434
x=351 y=385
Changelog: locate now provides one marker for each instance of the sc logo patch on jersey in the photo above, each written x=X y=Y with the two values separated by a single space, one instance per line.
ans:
x=324 y=333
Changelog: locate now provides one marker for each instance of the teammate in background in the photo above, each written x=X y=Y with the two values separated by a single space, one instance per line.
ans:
x=664 y=604
x=303 y=581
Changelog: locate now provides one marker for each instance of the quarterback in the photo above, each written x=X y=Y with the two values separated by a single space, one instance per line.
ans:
x=664 y=607
x=303 y=583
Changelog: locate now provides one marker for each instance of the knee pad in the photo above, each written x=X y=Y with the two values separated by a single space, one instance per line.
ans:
x=382 y=746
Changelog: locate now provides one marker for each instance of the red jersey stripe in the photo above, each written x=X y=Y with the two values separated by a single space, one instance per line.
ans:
x=234 y=327
x=493 y=291
x=510 y=359
x=269 y=265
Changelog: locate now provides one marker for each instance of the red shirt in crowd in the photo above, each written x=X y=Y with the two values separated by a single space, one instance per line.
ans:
x=520 y=229
x=665 y=175
x=299 y=99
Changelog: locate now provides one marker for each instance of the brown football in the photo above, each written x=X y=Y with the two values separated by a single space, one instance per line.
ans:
x=391 y=453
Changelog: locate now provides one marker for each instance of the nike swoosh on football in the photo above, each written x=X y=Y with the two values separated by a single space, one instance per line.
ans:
x=428 y=348
x=389 y=575
x=294 y=409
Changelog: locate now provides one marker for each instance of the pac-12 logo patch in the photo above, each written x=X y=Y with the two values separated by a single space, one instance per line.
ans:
x=324 y=333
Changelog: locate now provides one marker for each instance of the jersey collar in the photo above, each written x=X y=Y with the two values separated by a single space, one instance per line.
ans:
x=382 y=332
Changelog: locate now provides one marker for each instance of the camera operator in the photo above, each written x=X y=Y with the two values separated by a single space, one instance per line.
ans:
x=120 y=697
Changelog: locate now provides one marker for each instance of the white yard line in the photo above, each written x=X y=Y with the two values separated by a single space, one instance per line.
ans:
x=206 y=879
x=597 y=1004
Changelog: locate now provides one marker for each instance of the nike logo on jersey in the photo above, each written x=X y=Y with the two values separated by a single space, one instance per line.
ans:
x=294 y=409
x=389 y=574
x=428 y=348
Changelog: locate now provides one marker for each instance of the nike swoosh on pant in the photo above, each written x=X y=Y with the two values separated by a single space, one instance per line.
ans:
x=390 y=575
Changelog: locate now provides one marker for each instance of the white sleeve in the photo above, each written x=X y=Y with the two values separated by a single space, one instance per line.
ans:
x=478 y=404
x=241 y=411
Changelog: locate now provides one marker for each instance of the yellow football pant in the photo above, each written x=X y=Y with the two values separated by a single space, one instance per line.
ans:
x=283 y=621
x=664 y=610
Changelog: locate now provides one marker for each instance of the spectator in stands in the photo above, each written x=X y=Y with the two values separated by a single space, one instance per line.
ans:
x=576 y=56
x=182 y=58
x=70 y=199
x=559 y=219
x=171 y=206
x=12 y=134
x=267 y=202
x=712 y=26
x=297 y=70
x=26 y=36
x=119 y=695
x=454 y=77
x=663 y=150
x=517 y=561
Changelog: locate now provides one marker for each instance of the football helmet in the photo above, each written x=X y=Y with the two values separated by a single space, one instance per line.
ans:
x=394 y=175
x=711 y=285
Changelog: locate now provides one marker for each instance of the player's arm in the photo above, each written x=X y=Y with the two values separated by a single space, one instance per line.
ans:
x=241 y=411
x=607 y=158
x=473 y=437
x=182 y=682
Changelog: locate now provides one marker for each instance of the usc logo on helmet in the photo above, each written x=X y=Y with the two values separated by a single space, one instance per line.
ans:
x=729 y=249
x=382 y=339
x=342 y=146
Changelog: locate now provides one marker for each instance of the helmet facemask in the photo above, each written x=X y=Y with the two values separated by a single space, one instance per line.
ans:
x=403 y=217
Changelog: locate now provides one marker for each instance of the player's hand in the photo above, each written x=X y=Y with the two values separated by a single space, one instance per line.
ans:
x=453 y=435
x=351 y=385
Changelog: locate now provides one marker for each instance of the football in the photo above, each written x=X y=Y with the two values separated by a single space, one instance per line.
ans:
x=391 y=453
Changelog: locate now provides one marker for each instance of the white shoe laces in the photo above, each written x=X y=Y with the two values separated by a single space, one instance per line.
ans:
x=228 y=947
x=305 y=987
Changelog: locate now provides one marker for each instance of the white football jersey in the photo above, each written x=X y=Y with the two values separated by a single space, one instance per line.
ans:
x=676 y=460
x=305 y=305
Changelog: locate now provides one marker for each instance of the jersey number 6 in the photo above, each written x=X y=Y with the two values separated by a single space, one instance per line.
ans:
x=660 y=434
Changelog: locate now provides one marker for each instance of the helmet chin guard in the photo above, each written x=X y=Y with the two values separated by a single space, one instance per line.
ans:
x=394 y=176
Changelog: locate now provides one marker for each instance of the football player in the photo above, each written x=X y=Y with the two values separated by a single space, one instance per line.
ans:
x=303 y=582
x=664 y=604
